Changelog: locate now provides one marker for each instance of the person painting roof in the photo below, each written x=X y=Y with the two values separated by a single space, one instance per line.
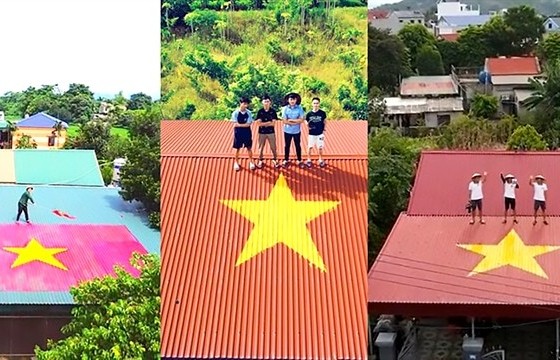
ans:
x=476 y=196
x=510 y=185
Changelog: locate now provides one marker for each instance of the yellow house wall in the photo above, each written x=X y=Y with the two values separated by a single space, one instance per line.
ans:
x=41 y=137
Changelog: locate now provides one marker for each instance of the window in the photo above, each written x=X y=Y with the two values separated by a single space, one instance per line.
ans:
x=550 y=25
x=51 y=140
x=412 y=21
x=443 y=119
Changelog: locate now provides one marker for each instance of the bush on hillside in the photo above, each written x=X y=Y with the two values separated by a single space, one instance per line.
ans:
x=504 y=128
x=526 y=138
x=467 y=134
x=201 y=60
x=203 y=21
x=315 y=86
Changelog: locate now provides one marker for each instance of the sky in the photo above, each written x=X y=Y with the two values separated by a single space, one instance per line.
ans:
x=376 y=3
x=109 y=45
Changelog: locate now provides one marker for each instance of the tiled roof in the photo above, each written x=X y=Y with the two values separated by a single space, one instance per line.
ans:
x=40 y=120
x=513 y=66
x=104 y=226
x=449 y=37
x=377 y=14
x=442 y=266
x=220 y=299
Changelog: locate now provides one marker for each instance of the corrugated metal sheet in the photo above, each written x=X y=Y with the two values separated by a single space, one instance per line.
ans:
x=421 y=267
x=429 y=85
x=397 y=105
x=276 y=305
x=513 y=66
x=89 y=205
x=215 y=138
x=441 y=184
x=40 y=120
x=57 y=167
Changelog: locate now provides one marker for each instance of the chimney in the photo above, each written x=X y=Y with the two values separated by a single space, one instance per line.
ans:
x=26 y=116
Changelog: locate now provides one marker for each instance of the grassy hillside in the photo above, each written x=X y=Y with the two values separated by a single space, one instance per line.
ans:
x=257 y=53
x=545 y=7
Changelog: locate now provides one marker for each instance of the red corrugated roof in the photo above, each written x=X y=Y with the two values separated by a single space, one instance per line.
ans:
x=449 y=37
x=441 y=184
x=424 y=268
x=343 y=138
x=276 y=304
x=513 y=66
x=377 y=14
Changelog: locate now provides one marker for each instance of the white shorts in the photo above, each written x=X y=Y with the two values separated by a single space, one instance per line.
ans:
x=316 y=141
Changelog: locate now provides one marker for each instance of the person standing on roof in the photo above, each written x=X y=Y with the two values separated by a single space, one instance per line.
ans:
x=476 y=195
x=292 y=117
x=316 y=121
x=265 y=121
x=539 y=196
x=242 y=135
x=22 y=204
x=510 y=185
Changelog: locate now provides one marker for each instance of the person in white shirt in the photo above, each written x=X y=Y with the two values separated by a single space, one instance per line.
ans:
x=510 y=185
x=476 y=196
x=539 y=196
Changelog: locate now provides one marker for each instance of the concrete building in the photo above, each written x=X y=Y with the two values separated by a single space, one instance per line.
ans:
x=430 y=101
x=396 y=20
x=46 y=131
x=456 y=8
x=552 y=24
x=454 y=24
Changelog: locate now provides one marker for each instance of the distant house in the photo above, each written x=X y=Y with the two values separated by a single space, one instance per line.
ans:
x=431 y=101
x=5 y=133
x=448 y=37
x=454 y=24
x=455 y=8
x=394 y=21
x=552 y=24
x=41 y=127
x=510 y=78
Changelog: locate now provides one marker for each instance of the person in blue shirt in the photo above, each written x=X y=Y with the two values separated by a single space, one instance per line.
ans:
x=292 y=117
x=242 y=135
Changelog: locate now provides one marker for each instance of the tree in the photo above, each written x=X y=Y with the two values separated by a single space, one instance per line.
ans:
x=140 y=177
x=415 y=37
x=473 y=47
x=546 y=94
x=428 y=61
x=79 y=101
x=526 y=138
x=527 y=28
x=95 y=135
x=498 y=37
x=26 y=142
x=115 y=317
x=549 y=48
x=387 y=60
x=467 y=134
x=58 y=127
x=139 y=101
x=484 y=106
x=376 y=107
x=450 y=52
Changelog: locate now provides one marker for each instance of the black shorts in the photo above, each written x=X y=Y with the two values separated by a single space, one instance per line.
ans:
x=242 y=139
x=476 y=204
x=510 y=203
x=540 y=204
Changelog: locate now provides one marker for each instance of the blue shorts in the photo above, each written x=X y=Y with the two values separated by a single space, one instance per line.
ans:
x=242 y=139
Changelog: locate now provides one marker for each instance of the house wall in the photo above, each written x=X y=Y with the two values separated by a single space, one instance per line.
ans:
x=20 y=334
x=551 y=26
x=395 y=24
x=431 y=119
x=455 y=9
x=41 y=136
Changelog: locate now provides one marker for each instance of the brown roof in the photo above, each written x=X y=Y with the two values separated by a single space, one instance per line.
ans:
x=513 y=66
x=449 y=37
x=429 y=85
x=377 y=14
x=283 y=300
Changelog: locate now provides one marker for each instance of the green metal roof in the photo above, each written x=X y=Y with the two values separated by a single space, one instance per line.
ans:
x=57 y=167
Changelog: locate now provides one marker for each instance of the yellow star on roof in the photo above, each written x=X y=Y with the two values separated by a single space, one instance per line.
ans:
x=281 y=219
x=512 y=251
x=35 y=251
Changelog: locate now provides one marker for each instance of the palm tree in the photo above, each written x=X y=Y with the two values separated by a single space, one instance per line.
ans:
x=546 y=92
x=58 y=127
